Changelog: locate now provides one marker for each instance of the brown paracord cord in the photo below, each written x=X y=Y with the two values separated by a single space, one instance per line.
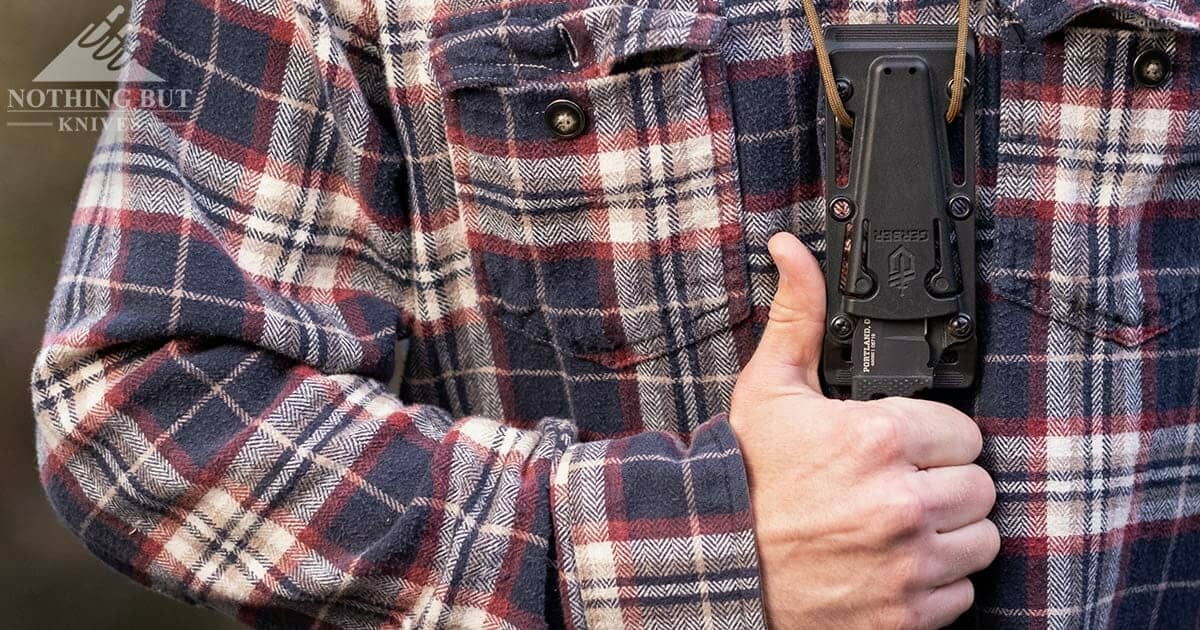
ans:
x=830 y=84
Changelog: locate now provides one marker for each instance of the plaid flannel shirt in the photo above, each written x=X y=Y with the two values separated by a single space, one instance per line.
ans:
x=225 y=413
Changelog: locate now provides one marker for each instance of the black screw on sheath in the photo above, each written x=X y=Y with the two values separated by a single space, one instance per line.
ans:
x=845 y=89
x=841 y=327
x=841 y=209
x=959 y=208
x=961 y=326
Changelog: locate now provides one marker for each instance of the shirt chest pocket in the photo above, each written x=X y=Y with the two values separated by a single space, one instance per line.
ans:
x=1096 y=216
x=596 y=178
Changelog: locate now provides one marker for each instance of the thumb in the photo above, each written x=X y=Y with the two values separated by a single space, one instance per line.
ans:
x=792 y=340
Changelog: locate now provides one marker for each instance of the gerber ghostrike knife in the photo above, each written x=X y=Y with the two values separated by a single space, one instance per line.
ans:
x=900 y=230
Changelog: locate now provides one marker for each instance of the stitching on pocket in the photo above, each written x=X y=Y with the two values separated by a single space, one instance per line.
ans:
x=1037 y=295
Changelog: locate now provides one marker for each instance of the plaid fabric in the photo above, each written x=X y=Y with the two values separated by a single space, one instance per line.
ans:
x=1091 y=386
x=365 y=192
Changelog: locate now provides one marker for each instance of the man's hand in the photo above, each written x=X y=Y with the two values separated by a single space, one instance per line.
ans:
x=867 y=514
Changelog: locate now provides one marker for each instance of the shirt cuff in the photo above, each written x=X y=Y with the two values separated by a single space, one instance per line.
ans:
x=654 y=533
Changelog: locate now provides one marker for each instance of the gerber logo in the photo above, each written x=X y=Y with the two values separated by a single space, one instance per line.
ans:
x=900 y=269
x=901 y=236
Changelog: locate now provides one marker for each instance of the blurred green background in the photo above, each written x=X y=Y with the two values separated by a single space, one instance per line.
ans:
x=51 y=581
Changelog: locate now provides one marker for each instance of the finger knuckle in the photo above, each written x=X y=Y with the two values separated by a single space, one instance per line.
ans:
x=967 y=429
x=975 y=438
x=983 y=486
x=783 y=313
x=909 y=574
x=981 y=549
x=909 y=617
x=895 y=615
x=992 y=541
x=906 y=510
x=961 y=597
x=878 y=434
x=967 y=597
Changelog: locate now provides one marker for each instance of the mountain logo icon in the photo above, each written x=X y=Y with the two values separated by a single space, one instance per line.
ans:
x=98 y=55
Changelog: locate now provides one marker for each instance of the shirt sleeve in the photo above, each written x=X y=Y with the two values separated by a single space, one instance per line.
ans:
x=212 y=418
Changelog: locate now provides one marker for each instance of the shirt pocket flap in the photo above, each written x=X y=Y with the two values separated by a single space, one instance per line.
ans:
x=582 y=44
x=1126 y=283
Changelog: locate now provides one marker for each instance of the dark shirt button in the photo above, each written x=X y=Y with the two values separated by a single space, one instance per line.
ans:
x=1152 y=67
x=565 y=119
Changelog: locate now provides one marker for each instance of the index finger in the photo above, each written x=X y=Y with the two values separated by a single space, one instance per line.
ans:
x=935 y=434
